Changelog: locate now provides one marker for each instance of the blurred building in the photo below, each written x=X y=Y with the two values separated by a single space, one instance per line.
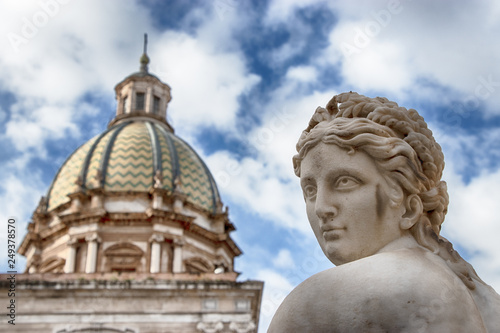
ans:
x=132 y=235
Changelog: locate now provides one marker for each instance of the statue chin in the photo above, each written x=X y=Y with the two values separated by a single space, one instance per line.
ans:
x=370 y=172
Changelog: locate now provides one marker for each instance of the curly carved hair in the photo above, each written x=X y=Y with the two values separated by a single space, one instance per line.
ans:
x=401 y=144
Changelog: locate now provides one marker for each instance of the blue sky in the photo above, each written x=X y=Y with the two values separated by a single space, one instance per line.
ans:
x=246 y=76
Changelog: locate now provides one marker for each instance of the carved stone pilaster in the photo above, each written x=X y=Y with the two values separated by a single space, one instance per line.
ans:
x=92 y=245
x=177 y=263
x=155 y=241
x=69 y=266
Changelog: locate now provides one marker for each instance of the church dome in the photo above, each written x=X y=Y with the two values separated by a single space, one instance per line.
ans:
x=136 y=155
x=133 y=226
x=135 y=198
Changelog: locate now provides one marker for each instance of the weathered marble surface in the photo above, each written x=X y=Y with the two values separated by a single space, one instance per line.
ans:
x=371 y=173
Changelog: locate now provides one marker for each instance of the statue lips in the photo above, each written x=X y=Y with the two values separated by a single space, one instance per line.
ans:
x=331 y=233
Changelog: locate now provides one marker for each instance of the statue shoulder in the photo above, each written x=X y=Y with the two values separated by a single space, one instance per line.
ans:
x=396 y=291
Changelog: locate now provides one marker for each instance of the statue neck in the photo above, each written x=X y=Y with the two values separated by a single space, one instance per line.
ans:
x=404 y=242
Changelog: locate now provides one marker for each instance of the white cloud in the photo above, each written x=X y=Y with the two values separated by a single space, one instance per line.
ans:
x=367 y=63
x=31 y=130
x=64 y=59
x=283 y=120
x=473 y=222
x=255 y=187
x=393 y=51
x=466 y=153
x=302 y=73
x=206 y=83
x=284 y=259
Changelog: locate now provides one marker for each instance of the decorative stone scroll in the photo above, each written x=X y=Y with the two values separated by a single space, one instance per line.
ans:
x=210 y=327
x=242 y=327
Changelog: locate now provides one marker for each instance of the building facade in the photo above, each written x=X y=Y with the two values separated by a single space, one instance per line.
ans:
x=132 y=235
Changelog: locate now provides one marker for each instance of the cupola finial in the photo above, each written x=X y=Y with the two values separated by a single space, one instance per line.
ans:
x=144 y=57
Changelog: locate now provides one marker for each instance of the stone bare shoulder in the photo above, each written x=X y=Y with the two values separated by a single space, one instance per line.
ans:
x=408 y=290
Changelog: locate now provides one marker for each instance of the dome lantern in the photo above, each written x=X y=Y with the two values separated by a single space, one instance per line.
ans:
x=142 y=94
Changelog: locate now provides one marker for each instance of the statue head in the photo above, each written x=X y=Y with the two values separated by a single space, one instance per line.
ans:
x=402 y=149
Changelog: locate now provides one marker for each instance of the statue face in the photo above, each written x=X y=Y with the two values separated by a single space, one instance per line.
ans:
x=346 y=203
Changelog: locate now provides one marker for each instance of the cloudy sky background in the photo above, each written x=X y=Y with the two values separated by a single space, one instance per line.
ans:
x=246 y=77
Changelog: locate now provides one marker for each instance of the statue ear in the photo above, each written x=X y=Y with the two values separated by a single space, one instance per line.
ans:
x=413 y=211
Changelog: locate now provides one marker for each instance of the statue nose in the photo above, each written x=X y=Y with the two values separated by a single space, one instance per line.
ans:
x=326 y=210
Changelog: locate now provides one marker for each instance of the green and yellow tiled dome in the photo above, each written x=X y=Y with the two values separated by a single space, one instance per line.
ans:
x=126 y=158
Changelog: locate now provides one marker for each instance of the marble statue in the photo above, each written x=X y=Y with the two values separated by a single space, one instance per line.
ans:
x=370 y=172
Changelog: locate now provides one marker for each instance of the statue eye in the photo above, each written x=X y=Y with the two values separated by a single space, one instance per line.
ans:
x=309 y=191
x=346 y=183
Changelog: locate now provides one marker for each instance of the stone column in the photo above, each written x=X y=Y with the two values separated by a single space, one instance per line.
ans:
x=177 y=263
x=92 y=244
x=69 y=266
x=148 y=103
x=155 y=241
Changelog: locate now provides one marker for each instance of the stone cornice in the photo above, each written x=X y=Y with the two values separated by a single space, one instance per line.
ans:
x=97 y=280
x=27 y=241
x=57 y=230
